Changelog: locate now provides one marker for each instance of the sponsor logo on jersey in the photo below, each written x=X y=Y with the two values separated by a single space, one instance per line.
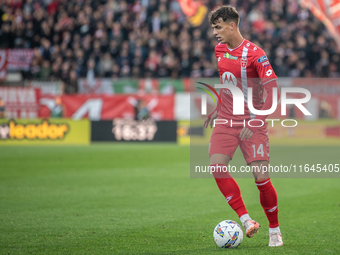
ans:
x=265 y=64
x=229 y=78
x=269 y=72
x=227 y=55
x=262 y=59
x=244 y=62
x=219 y=58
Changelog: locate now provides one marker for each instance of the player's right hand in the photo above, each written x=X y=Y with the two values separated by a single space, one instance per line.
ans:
x=210 y=120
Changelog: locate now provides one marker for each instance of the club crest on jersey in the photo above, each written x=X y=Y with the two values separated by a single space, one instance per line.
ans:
x=244 y=62
x=262 y=59
x=227 y=55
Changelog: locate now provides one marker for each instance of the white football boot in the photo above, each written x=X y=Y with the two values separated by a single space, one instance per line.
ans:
x=275 y=239
x=251 y=227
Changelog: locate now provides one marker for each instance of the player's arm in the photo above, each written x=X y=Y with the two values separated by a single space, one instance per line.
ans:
x=248 y=131
x=268 y=79
x=269 y=87
x=213 y=115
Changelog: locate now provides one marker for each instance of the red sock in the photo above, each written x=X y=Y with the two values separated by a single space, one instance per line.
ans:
x=268 y=200
x=230 y=190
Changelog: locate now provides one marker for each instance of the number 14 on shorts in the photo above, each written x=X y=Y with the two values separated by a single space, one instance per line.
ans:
x=259 y=150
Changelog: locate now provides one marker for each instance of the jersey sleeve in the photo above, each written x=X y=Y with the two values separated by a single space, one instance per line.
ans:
x=263 y=67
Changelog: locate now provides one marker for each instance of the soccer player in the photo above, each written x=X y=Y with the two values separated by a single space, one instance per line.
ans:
x=243 y=64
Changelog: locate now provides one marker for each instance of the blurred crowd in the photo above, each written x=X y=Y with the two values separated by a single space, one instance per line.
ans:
x=153 y=38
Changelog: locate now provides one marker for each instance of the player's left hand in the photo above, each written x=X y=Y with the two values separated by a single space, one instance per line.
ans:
x=246 y=133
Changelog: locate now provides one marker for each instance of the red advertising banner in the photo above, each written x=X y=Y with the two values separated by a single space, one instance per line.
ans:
x=324 y=102
x=318 y=86
x=108 y=107
x=20 y=102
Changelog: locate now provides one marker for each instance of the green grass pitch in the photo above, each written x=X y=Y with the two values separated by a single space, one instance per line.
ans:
x=139 y=199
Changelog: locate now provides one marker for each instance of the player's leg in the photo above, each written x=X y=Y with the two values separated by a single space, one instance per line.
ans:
x=223 y=144
x=256 y=153
x=268 y=200
x=226 y=183
x=232 y=193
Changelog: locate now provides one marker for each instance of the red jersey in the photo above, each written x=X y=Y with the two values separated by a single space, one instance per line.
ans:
x=244 y=66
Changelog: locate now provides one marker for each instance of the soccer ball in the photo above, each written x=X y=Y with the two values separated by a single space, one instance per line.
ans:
x=228 y=234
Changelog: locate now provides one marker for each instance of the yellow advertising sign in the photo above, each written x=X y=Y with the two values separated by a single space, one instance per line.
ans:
x=38 y=131
x=183 y=134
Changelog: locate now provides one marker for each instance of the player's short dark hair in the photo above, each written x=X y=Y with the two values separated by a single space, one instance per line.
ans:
x=226 y=12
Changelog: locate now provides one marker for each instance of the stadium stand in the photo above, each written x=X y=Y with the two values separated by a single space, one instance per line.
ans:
x=151 y=38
